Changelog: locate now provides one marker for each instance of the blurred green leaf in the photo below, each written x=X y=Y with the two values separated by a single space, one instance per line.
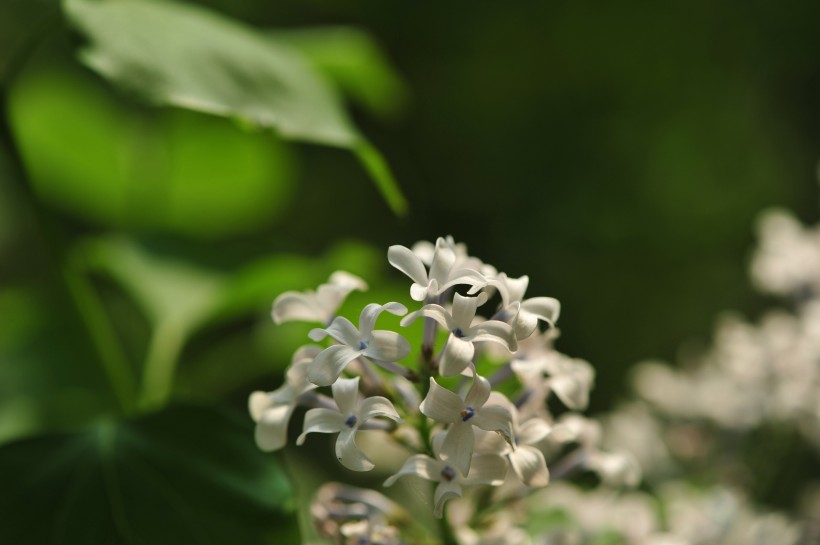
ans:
x=172 y=170
x=185 y=475
x=189 y=57
x=353 y=60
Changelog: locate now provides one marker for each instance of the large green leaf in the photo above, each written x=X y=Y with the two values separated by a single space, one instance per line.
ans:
x=186 y=56
x=352 y=59
x=185 y=475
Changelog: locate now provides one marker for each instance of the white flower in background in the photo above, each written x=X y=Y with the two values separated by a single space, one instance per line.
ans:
x=523 y=314
x=485 y=469
x=381 y=346
x=442 y=275
x=316 y=306
x=272 y=410
x=788 y=258
x=347 y=420
x=444 y=406
x=459 y=349
x=570 y=378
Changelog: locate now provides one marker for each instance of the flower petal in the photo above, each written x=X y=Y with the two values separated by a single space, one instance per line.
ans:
x=258 y=402
x=369 y=314
x=340 y=329
x=329 y=364
x=487 y=469
x=434 y=311
x=445 y=491
x=348 y=281
x=272 y=428
x=545 y=308
x=377 y=406
x=495 y=418
x=456 y=356
x=464 y=309
x=420 y=466
x=349 y=454
x=407 y=262
x=443 y=260
x=321 y=421
x=532 y=431
x=530 y=466
x=346 y=394
x=494 y=331
x=297 y=306
x=387 y=346
x=441 y=404
x=479 y=393
x=459 y=443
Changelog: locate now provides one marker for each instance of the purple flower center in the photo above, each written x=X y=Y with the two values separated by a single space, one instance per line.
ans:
x=448 y=473
x=351 y=421
x=467 y=413
x=458 y=332
x=362 y=345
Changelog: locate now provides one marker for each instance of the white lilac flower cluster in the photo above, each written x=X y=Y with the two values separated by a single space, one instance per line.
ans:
x=757 y=373
x=754 y=376
x=458 y=430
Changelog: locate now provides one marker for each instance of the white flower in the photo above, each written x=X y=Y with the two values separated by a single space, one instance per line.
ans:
x=319 y=306
x=272 y=410
x=524 y=316
x=570 y=378
x=442 y=274
x=526 y=460
x=444 y=406
x=350 y=416
x=459 y=350
x=426 y=250
x=486 y=469
x=381 y=346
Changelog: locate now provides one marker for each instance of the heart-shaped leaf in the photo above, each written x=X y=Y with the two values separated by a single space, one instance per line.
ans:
x=185 y=475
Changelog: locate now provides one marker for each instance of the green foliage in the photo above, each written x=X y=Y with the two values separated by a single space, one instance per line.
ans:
x=165 y=170
x=185 y=475
x=184 y=56
x=354 y=62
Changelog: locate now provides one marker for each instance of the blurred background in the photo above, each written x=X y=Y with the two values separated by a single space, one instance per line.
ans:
x=618 y=154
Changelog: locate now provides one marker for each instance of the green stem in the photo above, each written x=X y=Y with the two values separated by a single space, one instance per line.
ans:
x=446 y=530
x=111 y=356
x=166 y=345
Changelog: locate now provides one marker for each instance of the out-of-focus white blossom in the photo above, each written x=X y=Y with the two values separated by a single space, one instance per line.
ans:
x=318 y=306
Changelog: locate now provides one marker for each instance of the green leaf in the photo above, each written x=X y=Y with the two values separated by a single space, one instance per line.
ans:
x=171 y=170
x=353 y=60
x=185 y=475
x=189 y=57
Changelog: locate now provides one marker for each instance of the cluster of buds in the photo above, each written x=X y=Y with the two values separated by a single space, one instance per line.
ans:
x=457 y=428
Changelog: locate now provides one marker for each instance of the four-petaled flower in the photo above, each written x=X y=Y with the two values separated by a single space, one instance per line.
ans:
x=272 y=410
x=319 y=306
x=486 y=469
x=382 y=347
x=444 y=406
x=428 y=286
x=523 y=314
x=459 y=350
x=347 y=420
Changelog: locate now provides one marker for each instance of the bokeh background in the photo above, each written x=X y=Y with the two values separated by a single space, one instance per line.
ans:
x=617 y=153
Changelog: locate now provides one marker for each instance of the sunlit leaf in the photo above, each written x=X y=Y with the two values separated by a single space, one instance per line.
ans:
x=186 y=56
x=169 y=169
x=185 y=475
